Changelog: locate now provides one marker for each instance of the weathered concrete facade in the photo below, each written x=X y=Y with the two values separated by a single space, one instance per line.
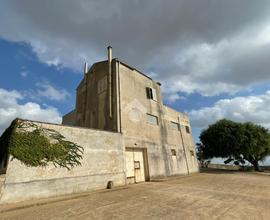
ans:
x=127 y=133
x=116 y=97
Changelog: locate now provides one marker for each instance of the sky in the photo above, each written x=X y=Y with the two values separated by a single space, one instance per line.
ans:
x=212 y=57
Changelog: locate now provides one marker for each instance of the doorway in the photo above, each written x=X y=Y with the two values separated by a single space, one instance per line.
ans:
x=136 y=165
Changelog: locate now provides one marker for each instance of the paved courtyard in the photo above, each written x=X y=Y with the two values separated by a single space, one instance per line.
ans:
x=211 y=195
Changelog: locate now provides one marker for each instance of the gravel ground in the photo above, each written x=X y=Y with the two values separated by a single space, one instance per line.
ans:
x=208 y=195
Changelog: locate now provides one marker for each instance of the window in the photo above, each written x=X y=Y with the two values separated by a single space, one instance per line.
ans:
x=192 y=153
x=151 y=93
x=174 y=126
x=152 y=119
x=187 y=129
x=173 y=151
x=102 y=84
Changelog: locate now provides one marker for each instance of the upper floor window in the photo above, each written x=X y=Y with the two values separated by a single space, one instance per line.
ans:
x=102 y=84
x=174 y=126
x=187 y=129
x=152 y=119
x=151 y=93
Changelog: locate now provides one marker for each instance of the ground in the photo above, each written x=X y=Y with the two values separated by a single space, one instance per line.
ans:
x=208 y=195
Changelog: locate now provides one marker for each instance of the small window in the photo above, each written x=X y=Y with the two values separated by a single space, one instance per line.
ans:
x=152 y=119
x=173 y=151
x=187 y=129
x=174 y=126
x=192 y=153
x=151 y=93
x=102 y=84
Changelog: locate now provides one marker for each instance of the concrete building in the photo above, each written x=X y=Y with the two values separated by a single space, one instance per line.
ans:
x=116 y=97
x=127 y=133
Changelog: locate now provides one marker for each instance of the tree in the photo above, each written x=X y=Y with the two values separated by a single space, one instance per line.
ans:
x=204 y=161
x=238 y=142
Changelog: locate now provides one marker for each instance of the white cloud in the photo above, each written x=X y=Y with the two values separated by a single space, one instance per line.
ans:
x=45 y=89
x=11 y=108
x=224 y=48
x=24 y=74
x=174 y=97
x=250 y=108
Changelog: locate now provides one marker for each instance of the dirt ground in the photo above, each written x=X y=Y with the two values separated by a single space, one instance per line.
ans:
x=208 y=195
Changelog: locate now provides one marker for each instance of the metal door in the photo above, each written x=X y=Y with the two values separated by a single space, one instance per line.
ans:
x=135 y=165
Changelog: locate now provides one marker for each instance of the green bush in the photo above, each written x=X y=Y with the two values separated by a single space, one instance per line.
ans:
x=36 y=146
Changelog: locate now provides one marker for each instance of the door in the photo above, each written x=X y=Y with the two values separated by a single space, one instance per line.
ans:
x=175 y=163
x=135 y=166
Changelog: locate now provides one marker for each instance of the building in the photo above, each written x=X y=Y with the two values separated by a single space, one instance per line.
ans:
x=127 y=133
x=116 y=97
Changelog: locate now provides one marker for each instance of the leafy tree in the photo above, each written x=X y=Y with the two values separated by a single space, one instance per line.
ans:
x=238 y=142
x=204 y=161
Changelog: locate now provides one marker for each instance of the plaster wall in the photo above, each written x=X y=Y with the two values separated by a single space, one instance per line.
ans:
x=70 y=118
x=103 y=161
x=160 y=139
x=92 y=105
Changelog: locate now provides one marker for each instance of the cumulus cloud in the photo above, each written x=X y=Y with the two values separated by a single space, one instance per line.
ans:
x=11 y=108
x=45 y=89
x=205 y=46
x=250 y=108
x=174 y=97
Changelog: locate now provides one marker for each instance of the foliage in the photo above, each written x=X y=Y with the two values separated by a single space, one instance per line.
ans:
x=204 y=161
x=36 y=146
x=238 y=142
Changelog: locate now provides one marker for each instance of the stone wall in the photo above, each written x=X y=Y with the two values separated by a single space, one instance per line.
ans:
x=103 y=161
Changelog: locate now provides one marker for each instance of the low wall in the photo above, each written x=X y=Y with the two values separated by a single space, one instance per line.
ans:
x=223 y=166
x=235 y=167
x=103 y=161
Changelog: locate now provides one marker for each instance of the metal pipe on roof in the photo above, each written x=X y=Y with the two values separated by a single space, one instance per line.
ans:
x=110 y=79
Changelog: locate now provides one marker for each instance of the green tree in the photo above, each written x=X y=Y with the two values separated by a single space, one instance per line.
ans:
x=238 y=142
x=204 y=161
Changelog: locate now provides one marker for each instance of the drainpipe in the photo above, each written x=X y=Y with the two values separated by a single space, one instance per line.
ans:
x=85 y=96
x=110 y=79
x=183 y=145
x=117 y=82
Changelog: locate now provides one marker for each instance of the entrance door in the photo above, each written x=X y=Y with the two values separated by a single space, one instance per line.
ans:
x=135 y=165
x=175 y=167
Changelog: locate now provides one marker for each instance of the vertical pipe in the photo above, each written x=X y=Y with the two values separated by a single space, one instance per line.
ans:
x=110 y=79
x=85 y=95
x=85 y=69
x=117 y=96
x=183 y=144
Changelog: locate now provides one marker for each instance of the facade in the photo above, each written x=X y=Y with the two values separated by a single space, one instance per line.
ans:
x=127 y=133
x=116 y=97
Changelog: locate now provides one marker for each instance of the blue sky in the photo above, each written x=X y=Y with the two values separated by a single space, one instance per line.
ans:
x=213 y=65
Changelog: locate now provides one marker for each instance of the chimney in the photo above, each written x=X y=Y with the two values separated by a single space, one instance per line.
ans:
x=85 y=68
x=109 y=54
x=110 y=78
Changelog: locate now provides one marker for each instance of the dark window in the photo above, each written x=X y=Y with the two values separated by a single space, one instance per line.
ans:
x=173 y=151
x=192 y=153
x=151 y=93
x=187 y=129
